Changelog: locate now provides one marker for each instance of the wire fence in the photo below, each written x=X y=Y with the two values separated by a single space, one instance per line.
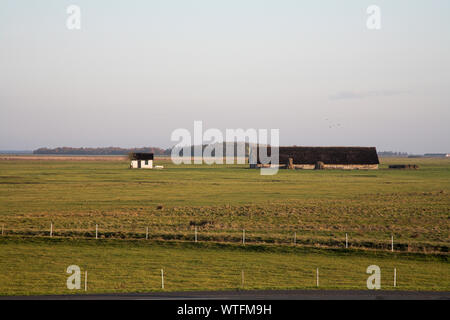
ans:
x=243 y=237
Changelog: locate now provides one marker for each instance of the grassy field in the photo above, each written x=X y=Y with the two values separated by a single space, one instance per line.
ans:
x=38 y=266
x=320 y=207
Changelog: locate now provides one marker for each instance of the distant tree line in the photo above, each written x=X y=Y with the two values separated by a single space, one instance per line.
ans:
x=101 y=151
x=230 y=146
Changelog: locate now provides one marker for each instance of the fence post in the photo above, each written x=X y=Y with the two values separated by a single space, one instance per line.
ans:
x=96 y=231
x=51 y=229
x=242 y=278
x=162 y=279
x=146 y=234
x=346 y=241
x=85 y=280
x=317 y=277
x=195 y=233
x=243 y=237
x=395 y=277
x=392 y=243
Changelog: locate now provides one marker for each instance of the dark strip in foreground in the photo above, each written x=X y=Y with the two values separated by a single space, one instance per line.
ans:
x=253 y=295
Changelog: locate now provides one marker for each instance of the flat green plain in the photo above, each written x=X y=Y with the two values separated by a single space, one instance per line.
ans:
x=38 y=266
x=316 y=207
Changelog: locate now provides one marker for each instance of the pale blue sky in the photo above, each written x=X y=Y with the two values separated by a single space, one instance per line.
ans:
x=137 y=70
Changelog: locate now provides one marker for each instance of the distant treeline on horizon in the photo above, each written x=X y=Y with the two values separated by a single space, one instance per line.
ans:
x=125 y=151
x=101 y=151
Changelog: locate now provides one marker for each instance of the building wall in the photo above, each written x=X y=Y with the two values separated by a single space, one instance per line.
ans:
x=332 y=166
x=149 y=165
x=304 y=166
x=351 y=166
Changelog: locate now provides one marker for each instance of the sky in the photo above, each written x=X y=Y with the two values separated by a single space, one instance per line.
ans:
x=138 y=70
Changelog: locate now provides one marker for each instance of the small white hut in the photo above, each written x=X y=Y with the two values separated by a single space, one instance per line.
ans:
x=141 y=160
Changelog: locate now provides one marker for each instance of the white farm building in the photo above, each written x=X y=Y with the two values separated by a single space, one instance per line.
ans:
x=141 y=160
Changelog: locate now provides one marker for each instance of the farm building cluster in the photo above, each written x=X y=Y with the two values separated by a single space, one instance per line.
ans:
x=346 y=158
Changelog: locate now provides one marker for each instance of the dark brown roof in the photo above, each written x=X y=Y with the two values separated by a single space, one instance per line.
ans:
x=141 y=156
x=328 y=155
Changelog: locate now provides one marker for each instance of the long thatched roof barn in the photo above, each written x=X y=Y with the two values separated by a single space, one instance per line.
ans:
x=320 y=157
